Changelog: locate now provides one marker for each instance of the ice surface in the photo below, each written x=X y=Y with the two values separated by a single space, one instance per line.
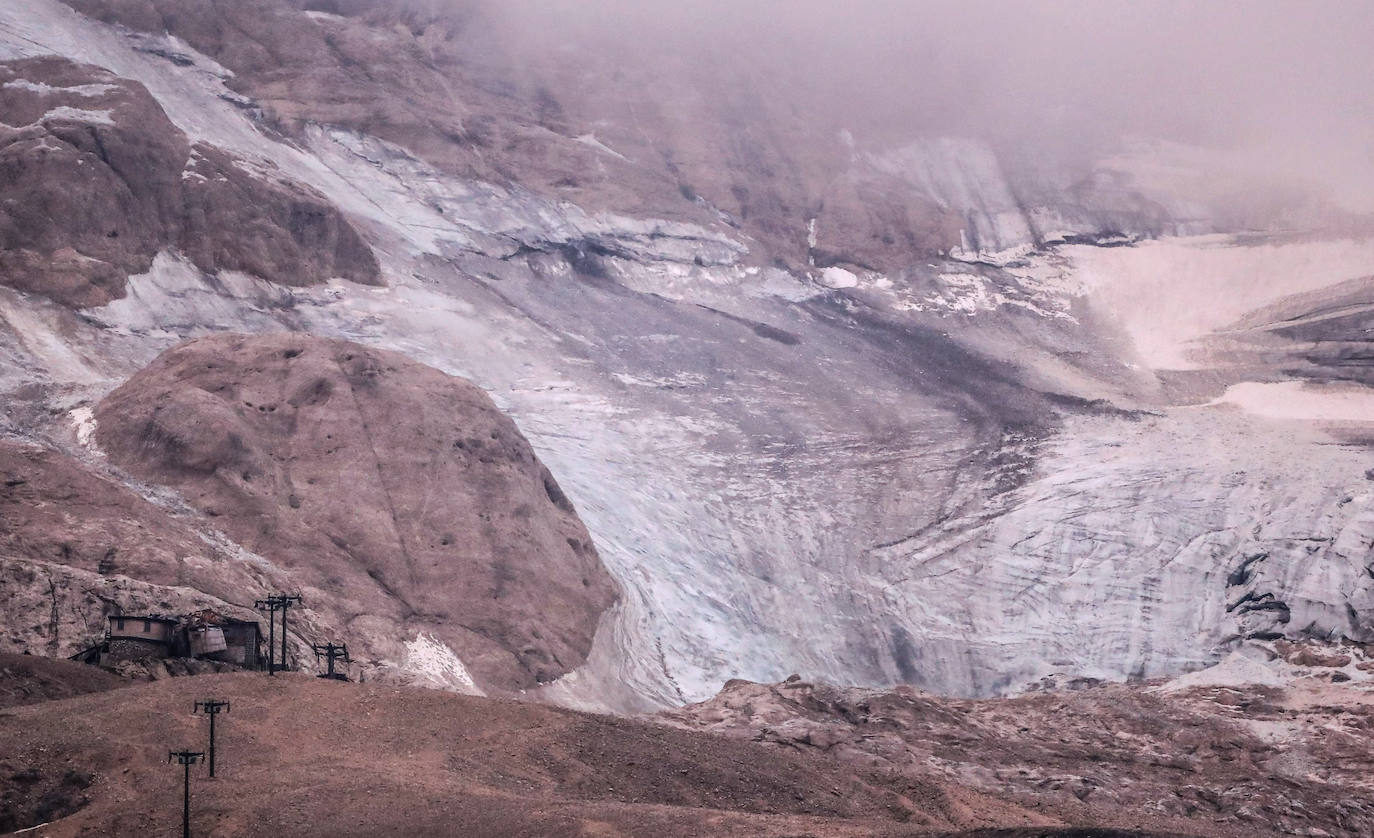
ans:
x=836 y=277
x=965 y=175
x=83 y=423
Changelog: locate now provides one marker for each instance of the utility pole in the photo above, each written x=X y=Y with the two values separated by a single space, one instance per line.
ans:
x=212 y=708
x=270 y=606
x=285 y=604
x=333 y=652
x=273 y=604
x=187 y=759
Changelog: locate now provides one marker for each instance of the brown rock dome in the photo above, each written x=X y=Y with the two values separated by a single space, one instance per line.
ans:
x=400 y=495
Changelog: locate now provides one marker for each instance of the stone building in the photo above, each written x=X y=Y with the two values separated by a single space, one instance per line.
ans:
x=138 y=637
x=205 y=635
x=243 y=644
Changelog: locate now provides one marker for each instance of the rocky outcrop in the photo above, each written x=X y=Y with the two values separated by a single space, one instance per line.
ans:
x=1212 y=757
x=53 y=609
x=97 y=181
x=57 y=510
x=76 y=547
x=400 y=499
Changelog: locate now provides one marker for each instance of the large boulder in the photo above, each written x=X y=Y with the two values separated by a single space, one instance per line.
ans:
x=410 y=508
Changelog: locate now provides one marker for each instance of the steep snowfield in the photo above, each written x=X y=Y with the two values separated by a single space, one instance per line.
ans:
x=1293 y=400
x=1167 y=294
x=868 y=478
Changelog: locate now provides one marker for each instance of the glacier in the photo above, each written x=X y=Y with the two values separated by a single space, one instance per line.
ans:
x=1011 y=462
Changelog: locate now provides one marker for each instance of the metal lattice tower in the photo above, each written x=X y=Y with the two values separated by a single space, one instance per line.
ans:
x=212 y=708
x=332 y=652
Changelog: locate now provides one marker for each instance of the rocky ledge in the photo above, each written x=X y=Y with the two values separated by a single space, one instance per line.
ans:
x=97 y=180
x=1270 y=742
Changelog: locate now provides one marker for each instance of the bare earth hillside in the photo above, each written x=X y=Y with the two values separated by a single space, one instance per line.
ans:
x=305 y=757
x=31 y=679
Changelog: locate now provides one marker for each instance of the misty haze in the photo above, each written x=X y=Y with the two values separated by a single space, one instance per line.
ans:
x=596 y=417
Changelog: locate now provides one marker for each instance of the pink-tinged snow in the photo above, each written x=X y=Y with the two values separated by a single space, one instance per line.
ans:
x=1167 y=294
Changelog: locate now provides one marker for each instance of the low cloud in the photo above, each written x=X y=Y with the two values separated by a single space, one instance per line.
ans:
x=1288 y=85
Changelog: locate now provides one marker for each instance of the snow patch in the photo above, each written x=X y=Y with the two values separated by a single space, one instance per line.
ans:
x=436 y=663
x=969 y=293
x=1041 y=285
x=681 y=381
x=1299 y=400
x=837 y=277
x=42 y=88
x=83 y=423
x=1167 y=294
x=591 y=141
x=93 y=117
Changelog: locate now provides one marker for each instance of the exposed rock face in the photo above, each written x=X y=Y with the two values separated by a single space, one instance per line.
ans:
x=52 y=609
x=76 y=547
x=56 y=510
x=401 y=499
x=97 y=180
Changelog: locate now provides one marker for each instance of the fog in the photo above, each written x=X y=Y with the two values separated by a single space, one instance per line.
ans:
x=1287 y=86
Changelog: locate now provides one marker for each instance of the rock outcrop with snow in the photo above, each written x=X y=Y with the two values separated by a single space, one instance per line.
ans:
x=97 y=180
